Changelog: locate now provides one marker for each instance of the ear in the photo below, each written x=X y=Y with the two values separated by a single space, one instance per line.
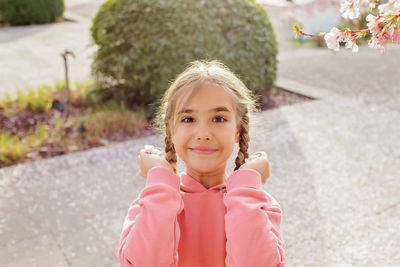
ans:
x=237 y=136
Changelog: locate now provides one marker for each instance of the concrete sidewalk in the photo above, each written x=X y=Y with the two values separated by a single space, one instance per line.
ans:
x=334 y=170
x=31 y=55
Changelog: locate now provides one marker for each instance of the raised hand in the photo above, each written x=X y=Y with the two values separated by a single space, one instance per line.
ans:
x=258 y=161
x=150 y=157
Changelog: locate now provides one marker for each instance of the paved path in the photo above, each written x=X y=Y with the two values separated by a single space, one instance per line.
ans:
x=31 y=55
x=334 y=163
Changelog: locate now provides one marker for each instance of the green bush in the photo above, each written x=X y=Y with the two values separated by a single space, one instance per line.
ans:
x=144 y=44
x=1 y=18
x=22 y=12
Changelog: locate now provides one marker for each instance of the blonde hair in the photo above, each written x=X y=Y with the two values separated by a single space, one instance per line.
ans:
x=196 y=74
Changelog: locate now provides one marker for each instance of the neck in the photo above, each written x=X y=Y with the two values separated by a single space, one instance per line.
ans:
x=208 y=179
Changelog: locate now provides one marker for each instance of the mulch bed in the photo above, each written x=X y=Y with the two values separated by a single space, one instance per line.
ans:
x=281 y=97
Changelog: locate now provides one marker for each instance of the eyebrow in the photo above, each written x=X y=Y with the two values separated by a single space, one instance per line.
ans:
x=211 y=110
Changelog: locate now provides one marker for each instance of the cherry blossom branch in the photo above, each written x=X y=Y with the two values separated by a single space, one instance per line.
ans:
x=296 y=28
x=382 y=27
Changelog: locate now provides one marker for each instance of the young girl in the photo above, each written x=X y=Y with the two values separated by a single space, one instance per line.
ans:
x=203 y=217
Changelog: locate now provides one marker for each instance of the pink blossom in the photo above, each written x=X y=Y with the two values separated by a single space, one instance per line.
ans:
x=396 y=36
x=391 y=7
x=372 y=3
x=383 y=39
x=394 y=33
x=379 y=41
x=373 y=24
x=353 y=46
x=333 y=38
x=373 y=43
x=351 y=43
x=350 y=9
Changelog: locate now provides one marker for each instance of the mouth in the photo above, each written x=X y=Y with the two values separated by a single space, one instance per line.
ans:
x=203 y=151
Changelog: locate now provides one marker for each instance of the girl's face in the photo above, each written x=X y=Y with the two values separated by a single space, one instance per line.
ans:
x=206 y=130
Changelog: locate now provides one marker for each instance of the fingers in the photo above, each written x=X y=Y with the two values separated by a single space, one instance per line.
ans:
x=261 y=154
x=150 y=152
x=258 y=158
x=149 y=149
x=148 y=156
x=256 y=155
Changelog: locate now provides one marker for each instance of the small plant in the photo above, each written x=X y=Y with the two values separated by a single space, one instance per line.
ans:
x=40 y=99
x=59 y=86
x=35 y=100
x=11 y=148
x=40 y=136
x=79 y=94
x=7 y=102
x=111 y=121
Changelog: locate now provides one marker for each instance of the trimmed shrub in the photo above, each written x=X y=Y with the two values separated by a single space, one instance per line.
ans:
x=23 y=12
x=144 y=44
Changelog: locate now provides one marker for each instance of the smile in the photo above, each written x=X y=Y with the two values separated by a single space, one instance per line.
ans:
x=203 y=151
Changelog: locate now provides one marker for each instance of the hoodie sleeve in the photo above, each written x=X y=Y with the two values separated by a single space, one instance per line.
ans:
x=252 y=223
x=150 y=234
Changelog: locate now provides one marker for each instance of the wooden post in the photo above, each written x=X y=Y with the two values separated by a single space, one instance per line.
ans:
x=64 y=55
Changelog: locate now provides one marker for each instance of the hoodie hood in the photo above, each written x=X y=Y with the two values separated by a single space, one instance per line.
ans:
x=191 y=185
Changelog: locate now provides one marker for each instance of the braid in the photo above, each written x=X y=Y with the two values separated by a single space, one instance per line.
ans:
x=170 y=154
x=243 y=142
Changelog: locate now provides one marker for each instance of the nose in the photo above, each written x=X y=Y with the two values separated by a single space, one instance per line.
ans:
x=203 y=132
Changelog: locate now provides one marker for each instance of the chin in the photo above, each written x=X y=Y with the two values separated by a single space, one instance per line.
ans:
x=200 y=167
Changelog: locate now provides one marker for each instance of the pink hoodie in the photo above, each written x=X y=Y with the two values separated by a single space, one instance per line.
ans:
x=179 y=222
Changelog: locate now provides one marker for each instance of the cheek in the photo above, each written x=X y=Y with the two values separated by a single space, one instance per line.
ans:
x=228 y=137
x=179 y=140
x=230 y=132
